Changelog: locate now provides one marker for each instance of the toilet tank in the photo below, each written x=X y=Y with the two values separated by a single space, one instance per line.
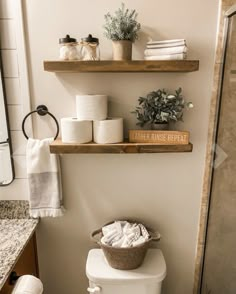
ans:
x=147 y=279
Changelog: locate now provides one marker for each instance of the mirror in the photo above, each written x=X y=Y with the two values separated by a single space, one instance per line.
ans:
x=6 y=162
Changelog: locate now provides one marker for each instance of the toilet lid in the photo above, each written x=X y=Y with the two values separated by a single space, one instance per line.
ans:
x=98 y=270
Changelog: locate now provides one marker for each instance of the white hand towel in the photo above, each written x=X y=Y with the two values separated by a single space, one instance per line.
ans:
x=128 y=240
x=133 y=234
x=119 y=242
x=180 y=56
x=44 y=178
x=165 y=51
x=156 y=46
x=112 y=233
x=116 y=226
x=109 y=238
x=122 y=234
x=140 y=241
x=165 y=42
x=144 y=232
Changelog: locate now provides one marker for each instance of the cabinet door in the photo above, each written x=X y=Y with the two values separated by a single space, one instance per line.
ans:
x=27 y=264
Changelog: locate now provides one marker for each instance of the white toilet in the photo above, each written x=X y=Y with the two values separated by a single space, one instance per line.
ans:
x=146 y=279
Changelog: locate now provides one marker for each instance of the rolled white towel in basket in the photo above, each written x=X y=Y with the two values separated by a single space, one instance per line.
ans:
x=124 y=234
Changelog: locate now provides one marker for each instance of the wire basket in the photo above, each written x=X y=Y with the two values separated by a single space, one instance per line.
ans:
x=125 y=258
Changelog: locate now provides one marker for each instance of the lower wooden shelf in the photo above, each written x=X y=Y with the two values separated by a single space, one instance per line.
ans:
x=58 y=147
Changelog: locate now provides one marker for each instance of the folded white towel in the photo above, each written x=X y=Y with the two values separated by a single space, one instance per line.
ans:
x=123 y=234
x=116 y=226
x=165 y=51
x=144 y=232
x=119 y=242
x=44 y=178
x=128 y=240
x=165 y=46
x=140 y=241
x=179 y=56
x=164 y=42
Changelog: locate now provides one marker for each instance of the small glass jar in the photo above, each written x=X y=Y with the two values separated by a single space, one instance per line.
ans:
x=89 y=48
x=69 y=48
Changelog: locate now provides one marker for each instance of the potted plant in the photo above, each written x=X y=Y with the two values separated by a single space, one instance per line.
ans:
x=159 y=107
x=122 y=28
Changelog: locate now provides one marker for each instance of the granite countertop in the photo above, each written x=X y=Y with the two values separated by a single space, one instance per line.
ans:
x=16 y=229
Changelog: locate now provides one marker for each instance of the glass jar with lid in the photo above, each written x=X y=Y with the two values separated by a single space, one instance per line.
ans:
x=68 y=48
x=89 y=48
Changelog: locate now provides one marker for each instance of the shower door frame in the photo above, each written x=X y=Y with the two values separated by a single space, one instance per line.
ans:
x=220 y=59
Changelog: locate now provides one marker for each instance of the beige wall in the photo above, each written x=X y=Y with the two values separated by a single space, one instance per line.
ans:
x=162 y=189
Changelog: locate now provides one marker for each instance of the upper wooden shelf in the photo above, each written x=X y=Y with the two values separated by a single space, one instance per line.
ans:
x=122 y=66
x=61 y=148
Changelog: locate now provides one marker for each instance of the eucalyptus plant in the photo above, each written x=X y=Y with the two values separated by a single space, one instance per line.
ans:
x=161 y=107
x=122 y=25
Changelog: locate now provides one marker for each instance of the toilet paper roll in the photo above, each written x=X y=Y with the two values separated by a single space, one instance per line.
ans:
x=74 y=130
x=108 y=131
x=28 y=284
x=91 y=107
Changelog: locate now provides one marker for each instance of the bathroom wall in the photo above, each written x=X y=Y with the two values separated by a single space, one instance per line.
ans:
x=162 y=189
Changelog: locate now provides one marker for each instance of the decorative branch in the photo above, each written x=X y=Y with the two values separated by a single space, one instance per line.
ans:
x=123 y=25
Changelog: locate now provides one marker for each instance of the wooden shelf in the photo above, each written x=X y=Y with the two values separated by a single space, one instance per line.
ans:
x=64 y=148
x=122 y=66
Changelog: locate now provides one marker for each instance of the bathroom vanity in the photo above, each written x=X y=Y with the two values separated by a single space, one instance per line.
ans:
x=18 y=252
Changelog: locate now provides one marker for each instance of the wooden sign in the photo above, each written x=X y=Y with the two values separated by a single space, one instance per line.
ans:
x=159 y=137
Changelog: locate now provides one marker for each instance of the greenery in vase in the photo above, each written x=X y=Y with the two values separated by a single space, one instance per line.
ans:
x=122 y=25
x=161 y=107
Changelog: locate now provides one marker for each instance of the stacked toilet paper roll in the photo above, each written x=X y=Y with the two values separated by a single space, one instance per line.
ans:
x=28 y=284
x=74 y=130
x=91 y=122
x=91 y=107
x=108 y=131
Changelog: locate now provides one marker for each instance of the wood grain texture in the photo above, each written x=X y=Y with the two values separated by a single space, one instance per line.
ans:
x=159 y=137
x=122 y=66
x=63 y=148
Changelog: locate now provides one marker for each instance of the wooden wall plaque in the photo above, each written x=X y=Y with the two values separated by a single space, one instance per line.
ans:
x=159 y=137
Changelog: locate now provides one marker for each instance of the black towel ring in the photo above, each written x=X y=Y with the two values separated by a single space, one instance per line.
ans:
x=41 y=110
